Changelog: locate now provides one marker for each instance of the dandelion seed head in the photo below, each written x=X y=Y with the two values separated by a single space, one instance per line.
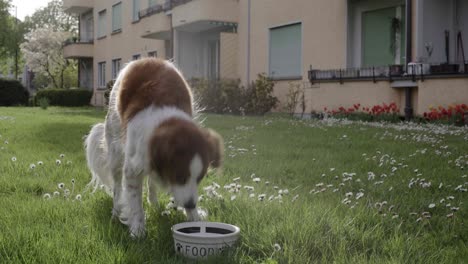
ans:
x=432 y=205
x=61 y=185
x=32 y=166
x=58 y=162
x=62 y=156
x=233 y=197
x=256 y=180
x=46 y=196
x=13 y=159
x=78 y=197
x=40 y=163
x=277 y=247
x=56 y=193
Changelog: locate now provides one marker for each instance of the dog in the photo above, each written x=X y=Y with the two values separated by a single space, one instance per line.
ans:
x=150 y=130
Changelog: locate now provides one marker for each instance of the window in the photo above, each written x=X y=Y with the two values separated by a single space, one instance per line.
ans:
x=115 y=68
x=102 y=24
x=286 y=51
x=136 y=57
x=102 y=74
x=136 y=9
x=153 y=54
x=117 y=17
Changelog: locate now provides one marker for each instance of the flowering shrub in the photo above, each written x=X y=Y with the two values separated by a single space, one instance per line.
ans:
x=384 y=112
x=453 y=114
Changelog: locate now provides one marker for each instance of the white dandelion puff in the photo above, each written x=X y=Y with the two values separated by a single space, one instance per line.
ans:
x=252 y=195
x=56 y=193
x=332 y=169
x=277 y=247
x=62 y=156
x=359 y=195
x=40 y=163
x=432 y=205
x=295 y=197
x=285 y=191
x=78 y=197
x=165 y=213
x=58 y=162
x=13 y=159
x=395 y=216
x=236 y=179
x=73 y=181
x=233 y=197
x=349 y=194
x=46 y=196
x=32 y=166
x=61 y=185
x=256 y=180
x=261 y=196
x=454 y=209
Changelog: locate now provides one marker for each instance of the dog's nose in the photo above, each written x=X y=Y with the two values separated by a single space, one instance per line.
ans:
x=190 y=204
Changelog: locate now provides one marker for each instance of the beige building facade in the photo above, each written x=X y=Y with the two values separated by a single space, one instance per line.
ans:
x=341 y=52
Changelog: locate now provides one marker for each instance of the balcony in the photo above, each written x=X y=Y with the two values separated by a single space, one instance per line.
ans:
x=77 y=6
x=154 y=23
x=78 y=49
x=188 y=12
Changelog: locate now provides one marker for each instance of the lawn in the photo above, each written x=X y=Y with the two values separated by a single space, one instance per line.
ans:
x=333 y=191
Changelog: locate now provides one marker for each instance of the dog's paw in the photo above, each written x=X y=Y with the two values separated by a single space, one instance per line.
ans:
x=137 y=231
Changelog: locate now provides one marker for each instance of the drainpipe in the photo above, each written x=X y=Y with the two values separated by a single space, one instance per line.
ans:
x=248 y=42
x=409 y=20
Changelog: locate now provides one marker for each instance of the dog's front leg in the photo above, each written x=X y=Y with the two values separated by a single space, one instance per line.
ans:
x=132 y=214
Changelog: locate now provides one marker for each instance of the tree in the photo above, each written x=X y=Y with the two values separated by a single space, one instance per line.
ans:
x=52 y=17
x=43 y=53
x=11 y=34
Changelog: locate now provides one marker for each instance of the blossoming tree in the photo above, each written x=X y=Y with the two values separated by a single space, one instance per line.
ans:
x=43 y=53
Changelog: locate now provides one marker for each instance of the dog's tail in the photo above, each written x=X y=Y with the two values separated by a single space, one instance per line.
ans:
x=96 y=157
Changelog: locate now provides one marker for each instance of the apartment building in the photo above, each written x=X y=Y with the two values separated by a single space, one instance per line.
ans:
x=341 y=51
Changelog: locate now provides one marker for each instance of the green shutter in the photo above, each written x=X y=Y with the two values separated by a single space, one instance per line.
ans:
x=286 y=51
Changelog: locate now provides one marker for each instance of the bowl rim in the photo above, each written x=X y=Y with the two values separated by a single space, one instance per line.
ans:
x=201 y=224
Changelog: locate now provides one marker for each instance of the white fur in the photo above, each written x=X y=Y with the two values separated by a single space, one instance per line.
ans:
x=122 y=164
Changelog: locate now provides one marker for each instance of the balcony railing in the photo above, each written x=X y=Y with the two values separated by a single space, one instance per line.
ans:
x=77 y=41
x=412 y=71
x=158 y=8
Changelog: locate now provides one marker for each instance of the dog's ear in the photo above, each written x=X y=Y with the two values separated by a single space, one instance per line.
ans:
x=216 y=148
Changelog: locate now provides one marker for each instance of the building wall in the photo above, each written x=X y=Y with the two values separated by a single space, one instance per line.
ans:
x=228 y=55
x=122 y=45
x=442 y=92
x=323 y=32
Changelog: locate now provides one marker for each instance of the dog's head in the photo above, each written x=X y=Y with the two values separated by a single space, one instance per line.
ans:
x=181 y=153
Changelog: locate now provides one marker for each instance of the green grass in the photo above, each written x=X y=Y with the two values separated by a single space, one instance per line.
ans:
x=301 y=156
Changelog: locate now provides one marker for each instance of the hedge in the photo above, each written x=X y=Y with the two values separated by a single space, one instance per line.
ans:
x=62 y=97
x=12 y=92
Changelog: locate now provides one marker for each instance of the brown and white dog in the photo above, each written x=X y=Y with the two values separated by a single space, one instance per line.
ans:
x=150 y=131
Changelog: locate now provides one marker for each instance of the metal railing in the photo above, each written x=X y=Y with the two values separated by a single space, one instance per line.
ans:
x=77 y=41
x=412 y=71
x=158 y=8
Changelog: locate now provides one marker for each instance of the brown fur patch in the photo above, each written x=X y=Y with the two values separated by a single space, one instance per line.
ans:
x=174 y=144
x=149 y=82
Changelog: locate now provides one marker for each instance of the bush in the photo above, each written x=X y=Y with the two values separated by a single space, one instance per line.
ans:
x=109 y=86
x=259 y=96
x=12 y=93
x=219 y=96
x=61 y=97
x=228 y=96
x=44 y=103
